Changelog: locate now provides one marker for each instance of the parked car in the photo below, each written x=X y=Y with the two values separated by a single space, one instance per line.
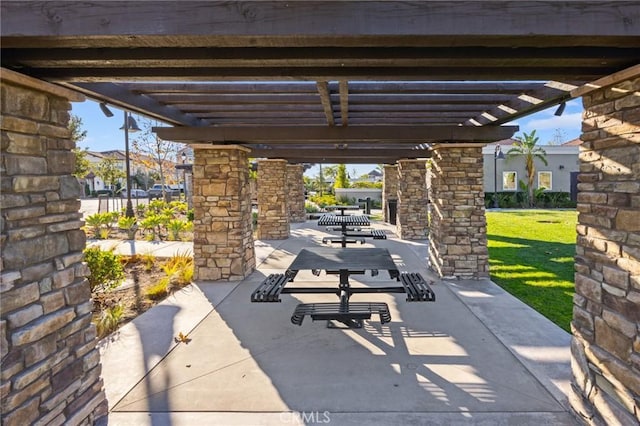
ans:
x=135 y=193
x=156 y=191
x=105 y=191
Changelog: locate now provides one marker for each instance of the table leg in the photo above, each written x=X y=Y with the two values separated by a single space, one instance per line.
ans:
x=345 y=294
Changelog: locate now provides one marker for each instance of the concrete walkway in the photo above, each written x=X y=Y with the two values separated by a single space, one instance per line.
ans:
x=475 y=356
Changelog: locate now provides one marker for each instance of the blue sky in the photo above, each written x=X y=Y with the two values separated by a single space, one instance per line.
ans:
x=103 y=133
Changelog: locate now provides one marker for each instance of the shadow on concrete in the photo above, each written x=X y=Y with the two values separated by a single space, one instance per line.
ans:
x=434 y=361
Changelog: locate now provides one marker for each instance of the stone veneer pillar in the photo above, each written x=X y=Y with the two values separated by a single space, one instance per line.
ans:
x=606 y=313
x=389 y=188
x=458 y=233
x=412 y=220
x=50 y=364
x=223 y=232
x=295 y=189
x=273 y=211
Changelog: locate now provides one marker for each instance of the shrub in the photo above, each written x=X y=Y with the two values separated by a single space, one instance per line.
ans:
x=324 y=200
x=101 y=223
x=156 y=206
x=310 y=207
x=364 y=184
x=160 y=290
x=141 y=208
x=128 y=224
x=179 y=206
x=109 y=320
x=175 y=227
x=107 y=271
x=152 y=223
x=179 y=269
x=149 y=260
x=190 y=215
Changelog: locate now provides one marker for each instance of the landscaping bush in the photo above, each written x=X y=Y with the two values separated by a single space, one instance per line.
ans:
x=129 y=225
x=175 y=227
x=106 y=269
x=544 y=199
x=310 y=207
x=109 y=320
x=160 y=290
x=101 y=224
x=371 y=185
x=324 y=200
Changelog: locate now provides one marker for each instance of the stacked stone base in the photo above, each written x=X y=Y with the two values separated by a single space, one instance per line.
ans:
x=606 y=315
x=458 y=230
x=223 y=235
x=50 y=367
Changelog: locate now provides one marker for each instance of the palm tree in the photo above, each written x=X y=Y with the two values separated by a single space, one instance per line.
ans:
x=526 y=145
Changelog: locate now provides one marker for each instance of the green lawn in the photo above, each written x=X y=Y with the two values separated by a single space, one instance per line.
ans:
x=531 y=256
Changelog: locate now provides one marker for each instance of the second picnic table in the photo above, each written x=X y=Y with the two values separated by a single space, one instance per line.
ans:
x=349 y=227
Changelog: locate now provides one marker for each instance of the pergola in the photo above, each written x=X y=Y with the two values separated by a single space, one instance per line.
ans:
x=313 y=81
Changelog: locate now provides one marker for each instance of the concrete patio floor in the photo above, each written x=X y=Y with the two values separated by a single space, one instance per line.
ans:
x=475 y=356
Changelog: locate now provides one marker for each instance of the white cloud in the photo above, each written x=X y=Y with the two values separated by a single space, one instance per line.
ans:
x=569 y=122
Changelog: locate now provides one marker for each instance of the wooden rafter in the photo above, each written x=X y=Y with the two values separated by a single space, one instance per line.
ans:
x=344 y=102
x=325 y=98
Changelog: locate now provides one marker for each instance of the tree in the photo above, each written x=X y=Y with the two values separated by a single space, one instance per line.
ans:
x=342 y=181
x=82 y=165
x=75 y=126
x=155 y=153
x=526 y=146
x=559 y=136
x=109 y=171
x=78 y=135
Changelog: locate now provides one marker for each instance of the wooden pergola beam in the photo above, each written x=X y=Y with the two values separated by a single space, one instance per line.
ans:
x=349 y=134
x=522 y=72
x=141 y=104
x=270 y=23
x=311 y=154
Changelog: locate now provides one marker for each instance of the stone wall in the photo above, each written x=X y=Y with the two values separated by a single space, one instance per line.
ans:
x=458 y=230
x=50 y=364
x=389 y=188
x=606 y=314
x=273 y=211
x=295 y=189
x=412 y=220
x=223 y=232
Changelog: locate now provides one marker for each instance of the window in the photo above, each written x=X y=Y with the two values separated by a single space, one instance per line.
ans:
x=545 y=180
x=509 y=181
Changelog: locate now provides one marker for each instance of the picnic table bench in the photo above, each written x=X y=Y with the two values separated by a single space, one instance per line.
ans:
x=344 y=263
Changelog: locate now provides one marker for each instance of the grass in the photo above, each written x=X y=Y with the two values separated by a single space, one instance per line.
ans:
x=531 y=255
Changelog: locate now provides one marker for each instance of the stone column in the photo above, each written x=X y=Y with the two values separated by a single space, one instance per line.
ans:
x=223 y=232
x=273 y=211
x=458 y=229
x=606 y=314
x=412 y=220
x=50 y=364
x=295 y=189
x=389 y=188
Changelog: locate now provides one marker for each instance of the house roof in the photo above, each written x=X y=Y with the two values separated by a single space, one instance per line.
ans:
x=573 y=142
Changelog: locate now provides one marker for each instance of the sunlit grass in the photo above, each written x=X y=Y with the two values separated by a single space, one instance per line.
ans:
x=531 y=256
